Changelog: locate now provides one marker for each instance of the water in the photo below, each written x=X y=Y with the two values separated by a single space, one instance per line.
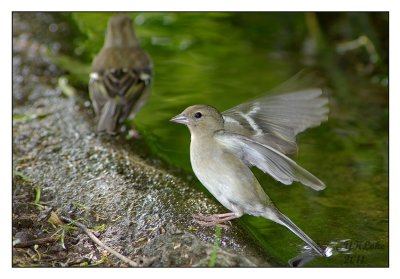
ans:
x=223 y=59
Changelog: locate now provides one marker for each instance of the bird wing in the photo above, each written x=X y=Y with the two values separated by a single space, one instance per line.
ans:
x=276 y=120
x=126 y=86
x=121 y=82
x=267 y=159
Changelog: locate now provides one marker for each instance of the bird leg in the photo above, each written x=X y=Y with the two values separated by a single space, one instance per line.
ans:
x=212 y=217
x=215 y=219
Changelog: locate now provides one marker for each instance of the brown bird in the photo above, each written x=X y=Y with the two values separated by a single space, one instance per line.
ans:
x=121 y=76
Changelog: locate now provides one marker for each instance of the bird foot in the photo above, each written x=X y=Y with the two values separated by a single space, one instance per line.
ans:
x=134 y=134
x=213 y=220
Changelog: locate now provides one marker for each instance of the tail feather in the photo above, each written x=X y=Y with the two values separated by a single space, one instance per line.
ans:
x=109 y=117
x=280 y=218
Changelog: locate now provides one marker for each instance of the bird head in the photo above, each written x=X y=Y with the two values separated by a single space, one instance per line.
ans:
x=200 y=119
x=120 y=32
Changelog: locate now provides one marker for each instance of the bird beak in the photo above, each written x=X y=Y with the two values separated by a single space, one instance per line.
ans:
x=180 y=119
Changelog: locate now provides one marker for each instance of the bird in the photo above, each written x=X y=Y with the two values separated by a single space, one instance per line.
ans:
x=120 y=77
x=261 y=133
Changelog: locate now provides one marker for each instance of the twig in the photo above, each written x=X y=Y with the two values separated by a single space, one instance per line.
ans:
x=98 y=242
x=214 y=253
x=38 y=241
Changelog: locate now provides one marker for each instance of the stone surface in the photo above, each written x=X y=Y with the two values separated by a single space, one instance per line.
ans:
x=144 y=205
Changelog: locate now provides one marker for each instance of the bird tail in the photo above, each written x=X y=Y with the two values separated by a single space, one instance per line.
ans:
x=109 y=117
x=280 y=218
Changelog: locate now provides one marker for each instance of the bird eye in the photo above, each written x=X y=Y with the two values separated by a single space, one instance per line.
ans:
x=198 y=115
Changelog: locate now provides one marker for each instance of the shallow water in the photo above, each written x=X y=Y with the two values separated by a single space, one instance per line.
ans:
x=223 y=59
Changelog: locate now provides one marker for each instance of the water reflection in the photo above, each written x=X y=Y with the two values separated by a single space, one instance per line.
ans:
x=301 y=259
x=307 y=255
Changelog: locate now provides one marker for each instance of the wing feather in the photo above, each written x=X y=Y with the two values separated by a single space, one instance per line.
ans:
x=276 y=120
x=267 y=159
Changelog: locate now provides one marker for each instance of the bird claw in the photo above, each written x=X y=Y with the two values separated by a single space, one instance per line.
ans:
x=134 y=134
x=213 y=220
x=203 y=217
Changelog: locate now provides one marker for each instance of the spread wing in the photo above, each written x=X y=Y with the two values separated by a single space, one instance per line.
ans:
x=267 y=159
x=276 y=120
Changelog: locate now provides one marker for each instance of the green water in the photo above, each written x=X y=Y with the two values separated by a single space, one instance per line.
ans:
x=223 y=59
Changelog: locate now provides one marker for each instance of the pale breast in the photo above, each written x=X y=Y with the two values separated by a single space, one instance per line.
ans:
x=228 y=179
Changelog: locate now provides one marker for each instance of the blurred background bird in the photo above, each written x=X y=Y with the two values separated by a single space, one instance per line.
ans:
x=121 y=75
x=258 y=133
